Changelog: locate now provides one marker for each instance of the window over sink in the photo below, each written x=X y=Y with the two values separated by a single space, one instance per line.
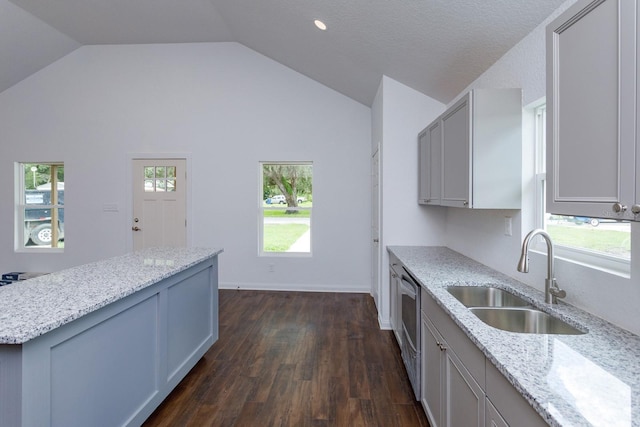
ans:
x=600 y=242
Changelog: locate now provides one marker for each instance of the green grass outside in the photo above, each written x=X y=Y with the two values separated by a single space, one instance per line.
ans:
x=302 y=213
x=280 y=237
x=613 y=242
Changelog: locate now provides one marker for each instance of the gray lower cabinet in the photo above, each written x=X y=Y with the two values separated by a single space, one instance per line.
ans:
x=493 y=419
x=451 y=396
x=459 y=386
x=593 y=161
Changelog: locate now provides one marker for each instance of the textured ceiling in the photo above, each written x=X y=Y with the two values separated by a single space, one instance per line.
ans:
x=437 y=47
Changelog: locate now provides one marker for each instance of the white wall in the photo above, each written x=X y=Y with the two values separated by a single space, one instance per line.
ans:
x=224 y=106
x=399 y=114
x=480 y=234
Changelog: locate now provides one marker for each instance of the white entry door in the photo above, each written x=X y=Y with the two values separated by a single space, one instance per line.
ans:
x=159 y=203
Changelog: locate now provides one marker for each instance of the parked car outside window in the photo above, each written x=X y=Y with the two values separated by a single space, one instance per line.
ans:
x=278 y=199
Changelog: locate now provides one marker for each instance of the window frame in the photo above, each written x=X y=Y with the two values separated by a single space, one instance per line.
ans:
x=608 y=263
x=262 y=208
x=20 y=206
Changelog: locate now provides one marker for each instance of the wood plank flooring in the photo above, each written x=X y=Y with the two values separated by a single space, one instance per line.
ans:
x=295 y=359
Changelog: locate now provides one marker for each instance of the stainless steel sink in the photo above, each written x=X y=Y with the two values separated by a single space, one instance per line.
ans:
x=486 y=296
x=524 y=320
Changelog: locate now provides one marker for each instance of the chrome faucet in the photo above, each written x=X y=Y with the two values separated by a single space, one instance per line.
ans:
x=551 y=290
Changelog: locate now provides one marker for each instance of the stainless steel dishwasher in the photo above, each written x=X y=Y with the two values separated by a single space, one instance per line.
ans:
x=410 y=346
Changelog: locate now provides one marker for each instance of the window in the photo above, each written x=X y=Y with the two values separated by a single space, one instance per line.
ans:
x=600 y=242
x=40 y=203
x=286 y=202
x=159 y=179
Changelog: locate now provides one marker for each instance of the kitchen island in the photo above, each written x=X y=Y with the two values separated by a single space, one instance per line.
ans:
x=568 y=380
x=104 y=343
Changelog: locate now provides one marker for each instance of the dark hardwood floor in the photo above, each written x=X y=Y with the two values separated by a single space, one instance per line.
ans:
x=295 y=359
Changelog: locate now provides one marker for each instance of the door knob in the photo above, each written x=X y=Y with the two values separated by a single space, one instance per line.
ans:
x=635 y=209
x=136 y=228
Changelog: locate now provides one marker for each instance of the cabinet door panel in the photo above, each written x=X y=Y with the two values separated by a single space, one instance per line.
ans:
x=456 y=156
x=587 y=173
x=465 y=398
x=590 y=94
x=423 y=168
x=431 y=373
x=435 y=162
x=494 y=419
x=430 y=143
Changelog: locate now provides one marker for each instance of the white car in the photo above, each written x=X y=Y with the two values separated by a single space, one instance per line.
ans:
x=278 y=199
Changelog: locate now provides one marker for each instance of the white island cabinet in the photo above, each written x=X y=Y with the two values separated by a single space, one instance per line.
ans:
x=105 y=343
x=593 y=161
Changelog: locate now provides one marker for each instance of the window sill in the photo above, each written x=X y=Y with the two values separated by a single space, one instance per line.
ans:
x=39 y=250
x=285 y=254
x=606 y=264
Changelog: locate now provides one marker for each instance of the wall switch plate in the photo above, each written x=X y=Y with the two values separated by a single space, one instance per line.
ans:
x=110 y=207
x=508 y=226
x=272 y=268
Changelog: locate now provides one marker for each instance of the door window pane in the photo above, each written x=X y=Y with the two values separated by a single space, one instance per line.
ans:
x=159 y=178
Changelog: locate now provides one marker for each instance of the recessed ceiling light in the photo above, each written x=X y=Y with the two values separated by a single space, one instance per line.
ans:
x=320 y=24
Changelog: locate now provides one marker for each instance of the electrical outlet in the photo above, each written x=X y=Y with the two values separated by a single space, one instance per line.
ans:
x=508 y=226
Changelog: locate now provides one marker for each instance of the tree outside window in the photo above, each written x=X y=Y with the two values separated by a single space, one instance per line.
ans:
x=286 y=203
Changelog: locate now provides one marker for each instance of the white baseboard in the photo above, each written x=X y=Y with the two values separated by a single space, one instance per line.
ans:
x=295 y=287
x=385 y=324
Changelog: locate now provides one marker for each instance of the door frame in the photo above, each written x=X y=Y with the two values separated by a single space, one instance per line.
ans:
x=377 y=289
x=130 y=157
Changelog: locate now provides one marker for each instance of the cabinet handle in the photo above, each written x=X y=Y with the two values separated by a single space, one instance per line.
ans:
x=619 y=207
x=635 y=209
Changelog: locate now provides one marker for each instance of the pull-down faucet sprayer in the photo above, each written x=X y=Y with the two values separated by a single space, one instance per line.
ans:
x=551 y=290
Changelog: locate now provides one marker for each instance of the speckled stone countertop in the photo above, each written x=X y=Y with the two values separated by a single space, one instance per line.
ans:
x=570 y=380
x=36 y=306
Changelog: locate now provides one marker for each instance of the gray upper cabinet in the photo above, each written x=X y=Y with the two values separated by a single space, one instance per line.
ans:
x=430 y=158
x=480 y=163
x=591 y=110
x=456 y=155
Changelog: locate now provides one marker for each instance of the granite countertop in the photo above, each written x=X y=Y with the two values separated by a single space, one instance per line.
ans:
x=36 y=306
x=570 y=380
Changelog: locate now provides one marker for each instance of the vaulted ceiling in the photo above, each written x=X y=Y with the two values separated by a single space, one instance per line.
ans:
x=437 y=47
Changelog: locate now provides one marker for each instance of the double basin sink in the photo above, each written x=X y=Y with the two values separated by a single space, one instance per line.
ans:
x=504 y=310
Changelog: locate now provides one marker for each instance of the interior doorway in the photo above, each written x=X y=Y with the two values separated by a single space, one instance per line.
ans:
x=375 y=227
